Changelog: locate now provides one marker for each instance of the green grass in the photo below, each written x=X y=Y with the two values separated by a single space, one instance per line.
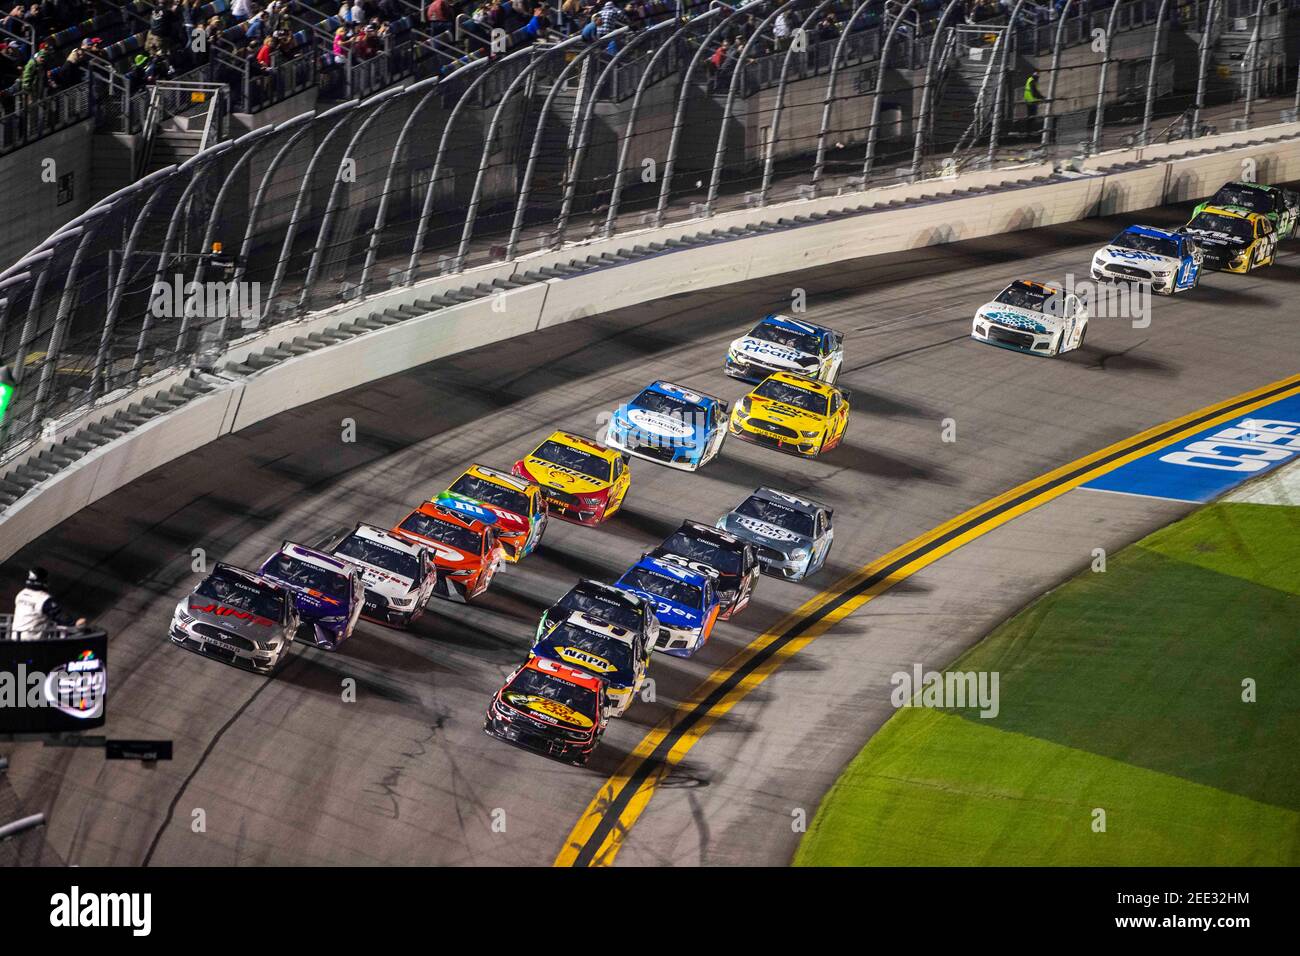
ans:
x=1120 y=691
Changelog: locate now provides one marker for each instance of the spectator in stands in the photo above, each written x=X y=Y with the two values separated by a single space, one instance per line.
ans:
x=162 y=27
x=342 y=43
x=358 y=14
x=441 y=17
x=783 y=29
x=265 y=53
x=828 y=27
x=72 y=72
x=609 y=19
x=390 y=10
x=366 y=44
x=537 y=25
x=36 y=77
x=158 y=68
x=241 y=10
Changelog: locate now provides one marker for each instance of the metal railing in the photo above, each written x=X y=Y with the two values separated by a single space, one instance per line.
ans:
x=499 y=156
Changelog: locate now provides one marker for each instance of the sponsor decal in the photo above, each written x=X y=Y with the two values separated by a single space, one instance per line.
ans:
x=1015 y=320
x=220 y=610
x=584 y=659
x=658 y=424
x=766 y=530
x=466 y=506
x=1135 y=255
x=78 y=687
x=552 y=709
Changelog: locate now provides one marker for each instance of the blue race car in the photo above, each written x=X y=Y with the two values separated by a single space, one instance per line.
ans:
x=1169 y=261
x=672 y=425
x=328 y=592
x=685 y=600
x=779 y=343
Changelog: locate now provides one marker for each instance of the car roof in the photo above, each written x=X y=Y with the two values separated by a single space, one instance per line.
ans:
x=690 y=395
x=252 y=577
x=313 y=557
x=717 y=535
x=434 y=510
x=497 y=476
x=372 y=533
x=792 y=324
x=1235 y=212
x=597 y=626
x=564 y=672
x=1262 y=187
x=1153 y=232
x=577 y=441
x=806 y=505
x=671 y=570
x=613 y=592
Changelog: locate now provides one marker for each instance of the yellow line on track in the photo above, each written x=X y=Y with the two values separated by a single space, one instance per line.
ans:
x=599 y=833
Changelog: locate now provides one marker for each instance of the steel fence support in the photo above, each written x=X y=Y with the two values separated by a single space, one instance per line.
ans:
x=380 y=102
x=1149 y=108
x=1210 y=11
x=426 y=209
x=769 y=156
x=34 y=305
x=1099 y=114
x=286 y=251
x=1056 y=69
x=1009 y=40
x=880 y=86
x=252 y=142
x=820 y=162
x=381 y=214
x=1252 y=59
x=584 y=131
x=679 y=114
x=625 y=144
x=927 y=95
x=471 y=212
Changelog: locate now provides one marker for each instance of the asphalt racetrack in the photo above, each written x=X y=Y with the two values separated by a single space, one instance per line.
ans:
x=285 y=772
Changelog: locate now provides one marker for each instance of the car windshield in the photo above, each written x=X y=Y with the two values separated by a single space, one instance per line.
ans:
x=435 y=529
x=1156 y=245
x=1256 y=200
x=685 y=545
x=597 y=604
x=790 y=338
x=600 y=645
x=574 y=459
x=536 y=684
x=379 y=555
x=783 y=516
x=1233 y=226
x=787 y=394
x=491 y=493
x=653 y=401
x=1025 y=295
x=320 y=582
x=235 y=591
x=664 y=586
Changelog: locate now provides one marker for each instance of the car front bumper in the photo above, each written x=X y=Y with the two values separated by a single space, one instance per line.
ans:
x=529 y=736
x=259 y=661
x=801 y=446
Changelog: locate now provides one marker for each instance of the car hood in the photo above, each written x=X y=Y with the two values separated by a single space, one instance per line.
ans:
x=1210 y=237
x=1135 y=257
x=562 y=479
x=252 y=626
x=382 y=581
x=585 y=660
x=773 y=354
x=674 y=615
x=761 y=533
x=501 y=518
x=546 y=710
x=781 y=413
x=655 y=424
x=1013 y=317
x=310 y=603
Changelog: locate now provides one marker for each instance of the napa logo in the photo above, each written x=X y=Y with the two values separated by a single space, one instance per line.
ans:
x=585 y=659
x=1016 y=321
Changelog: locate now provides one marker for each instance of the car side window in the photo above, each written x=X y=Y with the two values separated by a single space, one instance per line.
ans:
x=835 y=402
x=826 y=518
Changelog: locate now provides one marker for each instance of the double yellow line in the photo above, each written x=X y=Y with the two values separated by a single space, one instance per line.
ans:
x=596 y=838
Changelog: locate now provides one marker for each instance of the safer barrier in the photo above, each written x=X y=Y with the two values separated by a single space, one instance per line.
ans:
x=359 y=342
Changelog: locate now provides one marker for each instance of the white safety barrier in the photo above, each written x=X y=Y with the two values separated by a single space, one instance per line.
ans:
x=1088 y=192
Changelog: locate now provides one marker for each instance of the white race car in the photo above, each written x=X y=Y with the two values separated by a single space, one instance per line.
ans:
x=1031 y=317
x=1169 y=261
x=781 y=344
x=399 y=575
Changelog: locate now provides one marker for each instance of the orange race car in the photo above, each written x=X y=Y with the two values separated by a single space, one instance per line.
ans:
x=466 y=553
x=582 y=480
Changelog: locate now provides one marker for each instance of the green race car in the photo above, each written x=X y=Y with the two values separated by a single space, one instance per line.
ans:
x=1280 y=206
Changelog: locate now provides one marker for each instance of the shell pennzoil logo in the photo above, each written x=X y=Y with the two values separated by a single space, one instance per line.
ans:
x=585 y=659
x=550 y=708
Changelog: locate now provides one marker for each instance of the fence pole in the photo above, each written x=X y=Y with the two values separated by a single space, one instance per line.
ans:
x=1149 y=109
x=1099 y=113
x=308 y=121
x=820 y=162
x=880 y=86
x=1009 y=40
x=1056 y=64
x=1210 y=11
x=1253 y=64
x=927 y=95
x=769 y=157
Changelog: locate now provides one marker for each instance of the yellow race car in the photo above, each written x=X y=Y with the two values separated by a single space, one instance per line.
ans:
x=582 y=480
x=1233 y=238
x=510 y=504
x=794 y=413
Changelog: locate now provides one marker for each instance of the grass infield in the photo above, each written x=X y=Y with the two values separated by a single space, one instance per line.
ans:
x=1121 y=692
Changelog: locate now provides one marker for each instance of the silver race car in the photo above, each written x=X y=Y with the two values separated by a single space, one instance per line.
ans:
x=237 y=617
x=793 y=534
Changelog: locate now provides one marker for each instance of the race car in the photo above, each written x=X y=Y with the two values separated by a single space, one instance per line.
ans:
x=782 y=344
x=685 y=601
x=607 y=603
x=1233 y=239
x=1280 y=206
x=792 y=413
x=399 y=574
x=551 y=709
x=582 y=480
x=465 y=551
x=733 y=562
x=327 y=592
x=793 y=535
x=672 y=425
x=237 y=617
x=1031 y=317
x=514 y=507
x=617 y=656
x=1169 y=261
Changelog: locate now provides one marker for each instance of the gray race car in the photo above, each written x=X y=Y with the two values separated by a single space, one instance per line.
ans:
x=237 y=617
x=793 y=534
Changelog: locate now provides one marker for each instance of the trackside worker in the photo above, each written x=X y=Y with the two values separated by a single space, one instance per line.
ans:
x=35 y=612
x=1033 y=96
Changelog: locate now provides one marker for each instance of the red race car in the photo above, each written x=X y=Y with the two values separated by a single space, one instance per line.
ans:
x=551 y=709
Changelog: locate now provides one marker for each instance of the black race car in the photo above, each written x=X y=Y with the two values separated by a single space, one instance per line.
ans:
x=732 y=561
x=606 y=603
x=550 y=708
